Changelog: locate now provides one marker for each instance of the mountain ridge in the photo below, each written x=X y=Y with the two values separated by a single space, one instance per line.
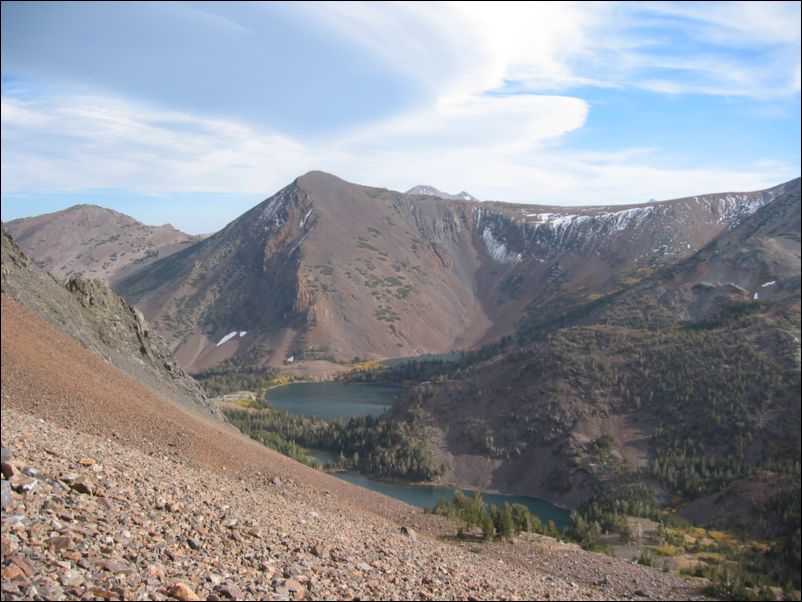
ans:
x=90 y=241
x=326 y=269
x=659 y=353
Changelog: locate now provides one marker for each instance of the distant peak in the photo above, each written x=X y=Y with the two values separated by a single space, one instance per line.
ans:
x=426 y=190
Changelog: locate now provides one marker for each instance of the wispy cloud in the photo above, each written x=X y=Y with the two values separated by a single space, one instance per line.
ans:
x=109 y=143
x=501 y=95
x=74 y=143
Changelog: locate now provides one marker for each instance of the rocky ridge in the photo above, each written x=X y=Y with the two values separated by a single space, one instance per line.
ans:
x=326 y=269
x=103 y=322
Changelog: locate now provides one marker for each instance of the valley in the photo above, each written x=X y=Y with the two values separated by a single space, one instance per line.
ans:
x=401 y=301
x=630 y=364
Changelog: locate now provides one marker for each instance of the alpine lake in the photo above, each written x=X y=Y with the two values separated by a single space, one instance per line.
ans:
x=333 y=400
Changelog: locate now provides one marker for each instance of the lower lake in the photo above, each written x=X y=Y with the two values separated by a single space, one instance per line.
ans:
x=424 y=496
x=332 y=400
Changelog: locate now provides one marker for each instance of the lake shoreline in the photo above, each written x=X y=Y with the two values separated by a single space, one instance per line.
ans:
x=415 y=494
x=446 y=485
x=333 y=400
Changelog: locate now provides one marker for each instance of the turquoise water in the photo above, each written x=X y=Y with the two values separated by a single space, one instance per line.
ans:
x=334 y=400
x=424 y=496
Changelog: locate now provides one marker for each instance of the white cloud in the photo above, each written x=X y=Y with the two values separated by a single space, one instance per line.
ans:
x=75 y=143
x=79 y=143
x=470 y=136
x=749 y=49
x=478 y=123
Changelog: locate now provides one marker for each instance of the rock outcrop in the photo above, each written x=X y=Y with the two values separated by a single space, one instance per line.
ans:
x=89 y=311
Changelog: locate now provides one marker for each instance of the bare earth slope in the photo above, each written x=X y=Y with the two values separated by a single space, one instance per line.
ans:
x=169 y=498
x=92 y=242
x=326 y=269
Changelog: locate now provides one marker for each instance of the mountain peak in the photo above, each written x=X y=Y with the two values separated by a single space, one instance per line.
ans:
x=317 y=177
x=426 y=190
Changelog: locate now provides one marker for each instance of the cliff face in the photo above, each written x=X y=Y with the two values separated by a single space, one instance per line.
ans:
x=89 y=311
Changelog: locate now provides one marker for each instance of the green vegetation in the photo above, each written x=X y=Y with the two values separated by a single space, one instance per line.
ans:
x=602 y=445
x=730 y=313
x=474 y=514
x=364 y=244
x=609 y=508
x=234 y=375
x=386 y=314
x=762 y=553
x=779 y=520
x=710 y=391
x=379 y=448
x=426 y=368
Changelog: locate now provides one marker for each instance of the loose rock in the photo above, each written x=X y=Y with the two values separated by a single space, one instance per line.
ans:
x=6 y=494
x=183 y=592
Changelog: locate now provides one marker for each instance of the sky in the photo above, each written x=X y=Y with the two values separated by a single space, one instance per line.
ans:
x=191 y=113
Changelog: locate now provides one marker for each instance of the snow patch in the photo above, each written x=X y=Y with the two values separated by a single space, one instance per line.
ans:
x=497 y=249
x=300 y=242
x=303 y=221
x=558 y=221
x=242 y=333
x=769 y=283
x=617 y=220
x=756 y=296
x=226 y=338
x=621 y=220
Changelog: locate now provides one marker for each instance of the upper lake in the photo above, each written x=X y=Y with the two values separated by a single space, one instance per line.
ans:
x=331 y=400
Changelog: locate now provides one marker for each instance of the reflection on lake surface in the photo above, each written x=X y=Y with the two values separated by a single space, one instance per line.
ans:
x=334 y=400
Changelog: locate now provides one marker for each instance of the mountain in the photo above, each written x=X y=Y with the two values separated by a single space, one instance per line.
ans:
x=334 y=270
x=689 y=378
x=90 y=312
x=424 y=190
x=93 y=242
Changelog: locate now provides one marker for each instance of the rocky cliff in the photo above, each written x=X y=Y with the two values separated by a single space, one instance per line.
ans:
x=89 y=311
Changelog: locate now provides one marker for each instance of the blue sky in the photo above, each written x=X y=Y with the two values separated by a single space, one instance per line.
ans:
x=190 y=113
